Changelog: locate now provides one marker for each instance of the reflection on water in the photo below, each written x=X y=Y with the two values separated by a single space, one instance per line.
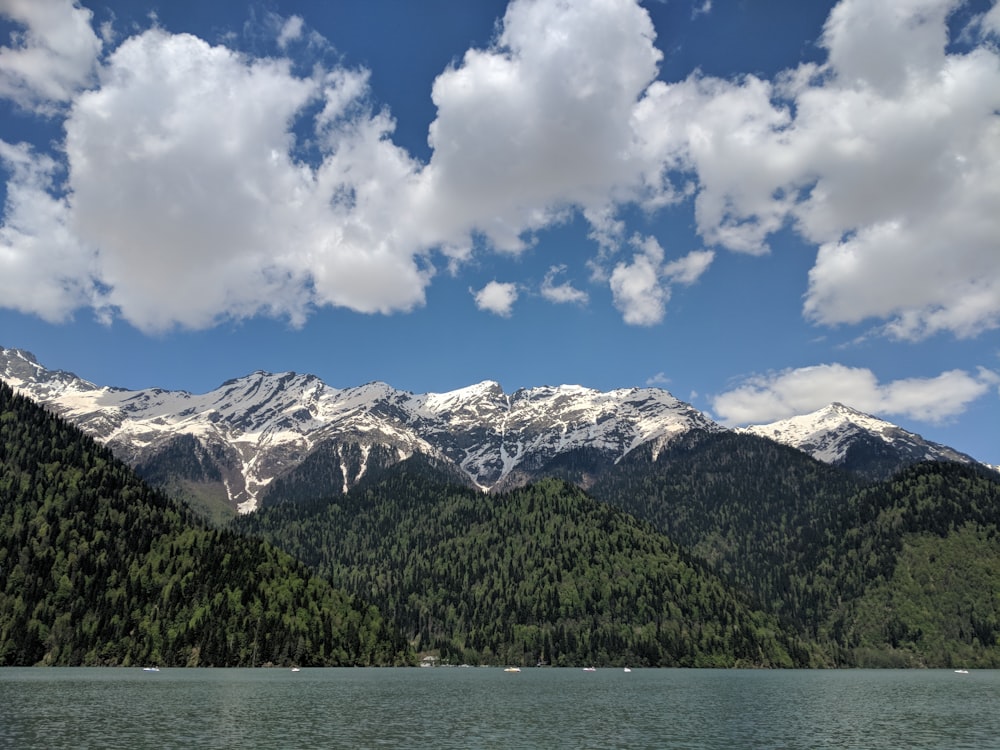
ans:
x=488 y=708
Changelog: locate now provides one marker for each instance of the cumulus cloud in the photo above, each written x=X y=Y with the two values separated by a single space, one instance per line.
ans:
x=291 y=30
x=641 y=288
x=660 y=379
x=182 y=175
x=767 y=398
x=561 y=293
x=44 y=269
x=637 y=288
x=885 y=157
x=184 y=198
x=52 y=58
x=538 y=123
x=497 y=297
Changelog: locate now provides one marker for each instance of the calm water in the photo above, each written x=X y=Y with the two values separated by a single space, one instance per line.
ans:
x=487 y=708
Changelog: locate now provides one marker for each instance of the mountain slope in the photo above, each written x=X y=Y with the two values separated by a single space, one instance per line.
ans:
x=97 y=568
x=542 y=572
x=916 y=569
x=760 y=513
x=253 y=429
x=900 y=572
x=858 y=442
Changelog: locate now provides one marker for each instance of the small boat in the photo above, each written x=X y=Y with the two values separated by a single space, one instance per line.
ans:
x=627 y=669
x=150 y=669
x=512 y=669
x=961 y=671
x=296 y=669
x=590 y=669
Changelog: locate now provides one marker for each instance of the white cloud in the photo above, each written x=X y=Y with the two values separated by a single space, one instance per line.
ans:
x=44 y=270
x=497 y=297
x=637 y=288
x=767 y=398
x=52 y=58
x=561 y=293
x=688 y=270
x=291 y=30
x=990 y=22
x=189 y=201
x=641 y=289
x=539 y=122
x=660 y=379
x=889 y=162
x=181 y=174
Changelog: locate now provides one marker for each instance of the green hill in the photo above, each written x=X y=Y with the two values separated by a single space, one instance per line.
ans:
x=902 y=572
x=723 y=550
x=763 y=515
x=543 y=573
x=97 y=568
x=918 y=569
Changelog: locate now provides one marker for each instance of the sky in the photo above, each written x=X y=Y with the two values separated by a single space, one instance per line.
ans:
x=762 y=207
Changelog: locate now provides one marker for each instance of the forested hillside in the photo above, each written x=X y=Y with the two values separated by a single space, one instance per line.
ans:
x=543 y=573
x=722 y=550
x=896 y=573
x=96 y=568
x=917 y=571
x=760 y=513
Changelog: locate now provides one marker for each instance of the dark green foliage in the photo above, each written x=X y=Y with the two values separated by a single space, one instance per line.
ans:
x=917 y=571
x=540 y=573
x=321 y=473
x=852 y=567
x=97 y=568
x=760 y=513
x=722 y=550
x=187 y=470
x=183 y=457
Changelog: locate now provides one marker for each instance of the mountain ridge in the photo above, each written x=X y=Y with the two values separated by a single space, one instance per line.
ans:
x=253 y=429
x=262 y=424
x=843 y=436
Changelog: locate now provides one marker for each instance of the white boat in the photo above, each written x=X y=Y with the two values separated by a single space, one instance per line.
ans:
x=512 y=669
x=296 y=669
x=627 y=669
x=961 y=671
x=590 y=669
x=150 y=669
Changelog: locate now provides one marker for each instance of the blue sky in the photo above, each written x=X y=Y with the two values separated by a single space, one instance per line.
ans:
x=761 y=207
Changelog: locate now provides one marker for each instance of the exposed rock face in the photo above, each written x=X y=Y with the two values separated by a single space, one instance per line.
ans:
x=258 y=427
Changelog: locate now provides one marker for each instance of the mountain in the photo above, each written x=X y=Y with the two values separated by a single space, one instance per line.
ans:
x=858 y=442
x=231 y=443
x=913 y=569
x=97 y=568
x=538 y=573
x=266 y=437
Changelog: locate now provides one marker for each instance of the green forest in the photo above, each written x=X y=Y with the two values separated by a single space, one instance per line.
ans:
x=540 y=574
x=96 y=568
x=723 y=550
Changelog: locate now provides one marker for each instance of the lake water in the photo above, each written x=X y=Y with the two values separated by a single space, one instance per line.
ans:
x=488 y=708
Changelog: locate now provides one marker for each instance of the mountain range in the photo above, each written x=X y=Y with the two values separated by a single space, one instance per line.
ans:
x=227 y=447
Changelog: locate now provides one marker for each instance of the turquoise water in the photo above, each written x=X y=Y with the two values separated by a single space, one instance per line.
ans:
x=488 y=708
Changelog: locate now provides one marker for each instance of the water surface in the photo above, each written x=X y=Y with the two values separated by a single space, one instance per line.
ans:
x=488 y=708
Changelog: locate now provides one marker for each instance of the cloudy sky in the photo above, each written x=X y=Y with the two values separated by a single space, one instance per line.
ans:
x=761 y=207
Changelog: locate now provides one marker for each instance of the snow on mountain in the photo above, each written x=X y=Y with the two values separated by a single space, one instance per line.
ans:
x=250 y=430
x=832 y=433
x=261 y=425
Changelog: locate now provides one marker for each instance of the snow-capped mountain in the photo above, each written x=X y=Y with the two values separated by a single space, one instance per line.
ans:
x=253 y=429
x=231 y=443
x=842 y=436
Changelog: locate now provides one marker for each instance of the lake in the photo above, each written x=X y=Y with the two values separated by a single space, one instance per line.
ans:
x=468 y=708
